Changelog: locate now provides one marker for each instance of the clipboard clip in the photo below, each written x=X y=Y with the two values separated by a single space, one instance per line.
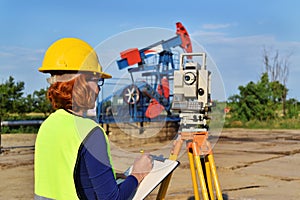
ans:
x=158 y=158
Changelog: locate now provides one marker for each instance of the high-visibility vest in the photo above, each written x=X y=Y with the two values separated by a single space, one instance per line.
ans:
x=56 y=151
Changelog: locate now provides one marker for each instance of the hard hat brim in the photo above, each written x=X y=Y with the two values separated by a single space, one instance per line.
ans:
x=100 y=74
x=105 y=75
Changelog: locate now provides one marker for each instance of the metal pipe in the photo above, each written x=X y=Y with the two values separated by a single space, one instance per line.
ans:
x=21 y=123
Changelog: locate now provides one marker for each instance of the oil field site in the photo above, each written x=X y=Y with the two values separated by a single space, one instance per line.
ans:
x=149 y=98
x=251 y=164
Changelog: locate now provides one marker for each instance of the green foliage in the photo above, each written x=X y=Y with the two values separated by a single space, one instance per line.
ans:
x=292 y=106
x=11 y=101
x=259 y=105
x=40 y=102
x=255 y=101
x=20 y=129
x=14 y=106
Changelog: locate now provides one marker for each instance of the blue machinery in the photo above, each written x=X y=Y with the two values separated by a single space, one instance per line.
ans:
x=145 y=101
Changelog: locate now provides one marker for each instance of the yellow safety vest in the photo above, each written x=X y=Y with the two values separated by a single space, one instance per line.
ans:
x=56 y=150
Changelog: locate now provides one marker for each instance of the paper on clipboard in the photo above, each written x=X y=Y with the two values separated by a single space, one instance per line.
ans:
x=160 y=170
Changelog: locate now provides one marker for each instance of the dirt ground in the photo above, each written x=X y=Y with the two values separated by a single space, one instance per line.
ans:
x=251 y=164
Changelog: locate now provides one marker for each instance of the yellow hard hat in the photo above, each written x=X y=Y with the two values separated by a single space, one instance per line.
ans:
x=71 y=54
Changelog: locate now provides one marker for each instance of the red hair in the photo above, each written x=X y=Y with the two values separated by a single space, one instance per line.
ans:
x=74 y=94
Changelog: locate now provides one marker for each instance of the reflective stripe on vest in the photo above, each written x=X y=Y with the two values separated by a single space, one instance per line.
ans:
x=37 y=197
x=56 y=150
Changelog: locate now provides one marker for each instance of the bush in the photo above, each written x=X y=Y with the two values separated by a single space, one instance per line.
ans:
x=20 y=129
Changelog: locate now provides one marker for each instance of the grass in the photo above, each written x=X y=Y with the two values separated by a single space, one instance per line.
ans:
x=269 y=124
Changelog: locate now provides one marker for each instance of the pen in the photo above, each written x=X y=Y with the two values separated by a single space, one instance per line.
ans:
x=142 y=151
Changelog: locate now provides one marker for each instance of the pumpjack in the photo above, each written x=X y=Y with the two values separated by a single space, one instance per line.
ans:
x=150 y=99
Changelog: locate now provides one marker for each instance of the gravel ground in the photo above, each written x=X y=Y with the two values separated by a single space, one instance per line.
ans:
x=251 y=164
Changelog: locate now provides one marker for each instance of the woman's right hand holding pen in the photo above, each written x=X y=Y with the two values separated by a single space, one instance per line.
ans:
x=142 y=166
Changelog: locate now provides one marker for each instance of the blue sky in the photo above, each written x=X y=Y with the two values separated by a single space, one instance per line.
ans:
x=234 y=33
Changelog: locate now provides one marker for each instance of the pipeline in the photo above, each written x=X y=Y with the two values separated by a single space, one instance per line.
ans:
x=22 y=123
x=18 y=123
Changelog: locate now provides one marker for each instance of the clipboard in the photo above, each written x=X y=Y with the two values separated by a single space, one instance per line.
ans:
x=161 y=169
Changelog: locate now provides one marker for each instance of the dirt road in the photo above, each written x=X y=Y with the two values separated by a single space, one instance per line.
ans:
x=251 y=164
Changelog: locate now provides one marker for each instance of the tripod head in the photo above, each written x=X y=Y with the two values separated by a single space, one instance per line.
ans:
x=192 y=92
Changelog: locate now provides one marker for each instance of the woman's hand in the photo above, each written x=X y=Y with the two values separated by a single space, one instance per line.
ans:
x=142 y=166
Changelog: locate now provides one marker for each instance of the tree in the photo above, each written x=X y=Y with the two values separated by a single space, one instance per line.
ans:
x=40 y=102
x=13 y=101
x=11 y=97
x=278 y=70
x=255 y=101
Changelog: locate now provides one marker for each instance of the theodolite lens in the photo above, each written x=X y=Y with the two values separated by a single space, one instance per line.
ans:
x=200 y=91
x=189 y=78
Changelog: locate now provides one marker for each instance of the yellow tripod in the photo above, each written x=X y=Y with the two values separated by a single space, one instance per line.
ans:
x=201 y=161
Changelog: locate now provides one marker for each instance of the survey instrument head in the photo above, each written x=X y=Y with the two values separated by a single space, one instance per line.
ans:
x=192 y=89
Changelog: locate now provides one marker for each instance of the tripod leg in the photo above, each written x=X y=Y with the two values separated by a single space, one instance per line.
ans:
x=193 y=175
x=163 y=188
x=208 y=178
x=165 y=184
x=215 y=176
x=200 y=171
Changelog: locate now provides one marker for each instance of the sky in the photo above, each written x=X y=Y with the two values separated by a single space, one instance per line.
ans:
x=233 y=33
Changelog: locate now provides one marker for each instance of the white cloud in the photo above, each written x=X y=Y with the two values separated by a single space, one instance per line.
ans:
x=22 y=64
x=15 y=53
x=209 y=37
x=5 y=54
x=239 y=59
x=217 y=26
